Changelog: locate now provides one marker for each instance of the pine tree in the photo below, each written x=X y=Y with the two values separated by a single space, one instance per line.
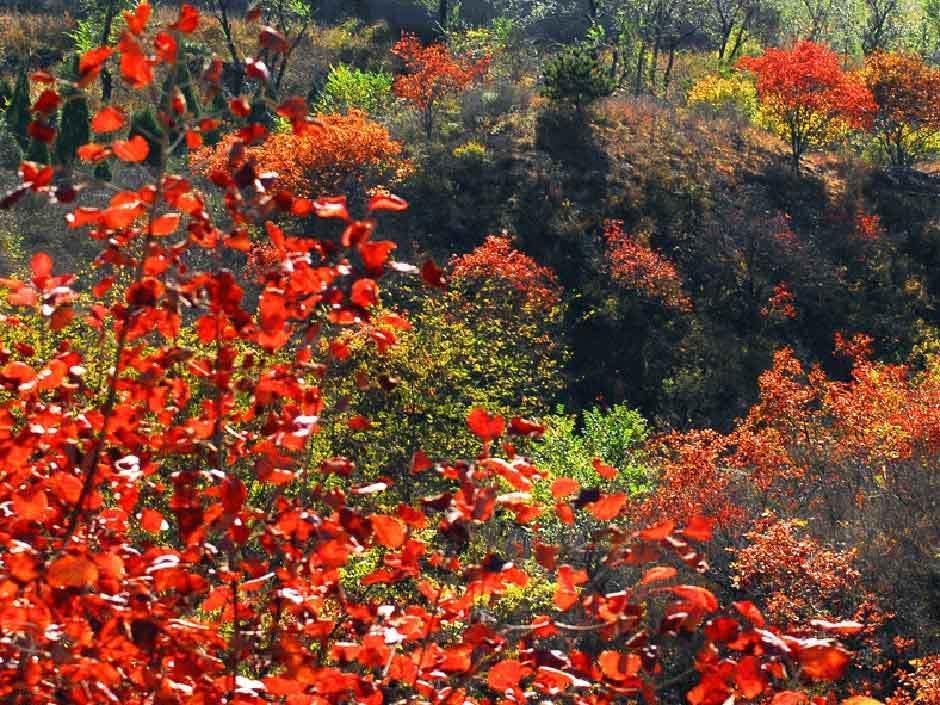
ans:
x=17 y=113
x=74 y=130
x=38 y=152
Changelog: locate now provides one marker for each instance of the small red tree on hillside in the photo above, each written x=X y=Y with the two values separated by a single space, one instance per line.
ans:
x=807 y=96
x=431 y=73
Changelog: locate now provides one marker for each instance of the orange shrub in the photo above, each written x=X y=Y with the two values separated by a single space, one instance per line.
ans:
x=347 y=153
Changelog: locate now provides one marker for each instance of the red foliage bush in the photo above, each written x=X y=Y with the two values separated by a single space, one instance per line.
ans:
x=335 y=153
x=497 y=259
x=635 y=266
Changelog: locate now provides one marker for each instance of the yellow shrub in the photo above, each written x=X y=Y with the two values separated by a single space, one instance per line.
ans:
x=736 y=91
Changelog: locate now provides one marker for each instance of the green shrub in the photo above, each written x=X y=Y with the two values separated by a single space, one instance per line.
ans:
x=615 y=436
x=348 y=88
x=577 y=77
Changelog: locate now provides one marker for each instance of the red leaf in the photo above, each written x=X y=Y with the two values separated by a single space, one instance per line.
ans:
x=89 y=65
x=375 y=254
x=240 y=107
x=388 y=530
x=41 y=266
x=823 y=662
x=420 y=462
x=135 y=67
x=387 y=203
x=525 y=427
x=365 y=293
x=566 y=591
x=788 y=697
x=92 y=152
x=750 y=612
x=608 y=472
x=108 y=119
x=137 y=20
x=47 y=102
x=506 y=675
x=484 y=425
x=618 y=666
x=432 y=274
x=188 y=19
x=333 y=207
x=165 y=224
x=165 y=46
x=564 y=487
x=151 y=520
x=658 y=532
x=273 y=40
x=358 y=423
x=257 y=70
x=607 y=507
x=234 y=493
x=135 y=149
x=749 y=678
x=38 y=175
x=41 y=131
x=658 y=574
x=72 y=572
x=699 y=528
x=697 y=596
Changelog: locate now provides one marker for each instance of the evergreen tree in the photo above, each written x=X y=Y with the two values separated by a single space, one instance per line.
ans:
x=577 y=77
x=179 y=77
x=74 y=130
x=17 y=113
x=38 y=152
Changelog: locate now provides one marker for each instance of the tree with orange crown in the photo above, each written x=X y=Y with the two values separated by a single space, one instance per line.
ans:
x=432 y=73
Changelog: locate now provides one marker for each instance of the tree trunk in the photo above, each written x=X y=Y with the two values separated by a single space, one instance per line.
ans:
x=428 y=121
x=668 y=75
x=443 y=10
x=654 y=62
x=106 y=82
x=638 y=79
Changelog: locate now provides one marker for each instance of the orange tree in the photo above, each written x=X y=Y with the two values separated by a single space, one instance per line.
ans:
x=347 y=152
x=432 y=73
x=806 y=95
x=906 y=117
x=169 y=534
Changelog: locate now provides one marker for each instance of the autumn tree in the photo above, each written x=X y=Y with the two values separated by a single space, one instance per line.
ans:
x=807 y=96
x=431 y=74
x=906 y=116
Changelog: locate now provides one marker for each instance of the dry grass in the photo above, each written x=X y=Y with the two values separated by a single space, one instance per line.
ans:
x=41 y=36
